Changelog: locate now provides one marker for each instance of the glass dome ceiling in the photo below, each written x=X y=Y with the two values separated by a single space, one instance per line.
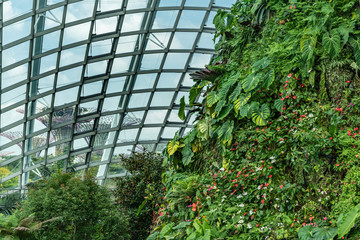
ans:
x=84 y=81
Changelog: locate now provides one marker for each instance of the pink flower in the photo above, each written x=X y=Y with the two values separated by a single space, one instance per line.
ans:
x=325 y=218
x=281 y=186
x=290 y=73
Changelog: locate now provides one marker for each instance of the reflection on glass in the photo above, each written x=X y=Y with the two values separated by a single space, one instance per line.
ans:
x=164 y=19
x=191 y=19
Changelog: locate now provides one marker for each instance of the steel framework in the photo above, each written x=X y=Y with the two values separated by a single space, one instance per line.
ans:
x=84 y=81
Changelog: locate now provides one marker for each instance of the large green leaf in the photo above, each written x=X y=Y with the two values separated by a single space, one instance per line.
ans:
x=203 y=127
x=259 y=116
x=225 y=132
x=322 y=233
x=224 y=112
x=234 y=95
x=251 y=82
x=241 y=101
x=355 y=43
x=278 y=104
x=211 y=98
x=305 y=233
x=261 y=64
x=181 y=113
x=312 y=78
x=331 y=43
x=166 y=229
x=269 y=78
x=172 y=147
x=348 y=221
x=187 y=154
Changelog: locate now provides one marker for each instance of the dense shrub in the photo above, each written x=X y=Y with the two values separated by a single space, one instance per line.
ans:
x=141 y=187
x=78 y=209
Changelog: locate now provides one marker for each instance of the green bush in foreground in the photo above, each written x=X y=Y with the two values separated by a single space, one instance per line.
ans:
x=81 y=209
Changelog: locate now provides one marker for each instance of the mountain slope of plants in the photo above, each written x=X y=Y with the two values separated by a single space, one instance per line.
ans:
x=274 y=153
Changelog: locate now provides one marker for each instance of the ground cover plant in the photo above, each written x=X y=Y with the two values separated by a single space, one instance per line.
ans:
x=274 y=153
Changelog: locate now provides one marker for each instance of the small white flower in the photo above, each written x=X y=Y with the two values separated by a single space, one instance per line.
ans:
x=241 y=205
x=250 y=212
x=311 y=115
x=245 y=193
x=224 y=196
x=258 y=196
x=249 y=225
x=272 y=157
x=222 y=169
x=240 y=196
x=241 y=221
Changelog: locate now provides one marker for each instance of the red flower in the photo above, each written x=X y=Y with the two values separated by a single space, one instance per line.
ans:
x=302 y=85
x=262 y=201
x=290 y=75
x=281 y=186
x=294 y=97
x=270 y=176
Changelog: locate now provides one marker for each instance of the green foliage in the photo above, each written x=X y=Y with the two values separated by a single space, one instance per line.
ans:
x=71 y=208
x=138 y=192
x=276 y=145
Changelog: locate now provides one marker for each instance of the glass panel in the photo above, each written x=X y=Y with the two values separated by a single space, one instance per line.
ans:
x=63 y=115
x=170 y=3
x=45 y=83
x=84 y=126
x=72 y=55
x=66 y=96
x=209 y=22
x=145 y=81
x=111 y=104
x=102 y=139
x=169 y=80
x=107 y=122
x=11 y=135
x=80 y=143
x=50 y=41
x=133 y=118
x=16 y=31
x=12 y=116
x=197 y=3
x=100 y=47
x=10 y=152
x=169 y=132
x=89 y=107
x=191 y=19
x=199 y=60
x=15 y=54
x=77 y=160
x=116 y=85
x=53 y=17
x=91 y=88
x=132 y=22
x=180 y=95
x=126 y=150
x=148 y=134
x=105 y=25
x=183 y=40
x=151 y=61
x=47 y=63
x=224 y=3
x=136 y=4
x=16 y=95
x=127 y=44
x=155 y=116
x=108 y=5
x=76 y=33
x=14 y=8
x=162 y=99
x=176 y=60
x=116 y=168
x=67 y=77
x=139 y=100
x=206 y=41
x=127 y=135
x=121 y=65
x=79 y=10
x=61 y=133
x=157 y=41
x=187 y=82
x=97 y=68
x=164 y=19
x=14 y=75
